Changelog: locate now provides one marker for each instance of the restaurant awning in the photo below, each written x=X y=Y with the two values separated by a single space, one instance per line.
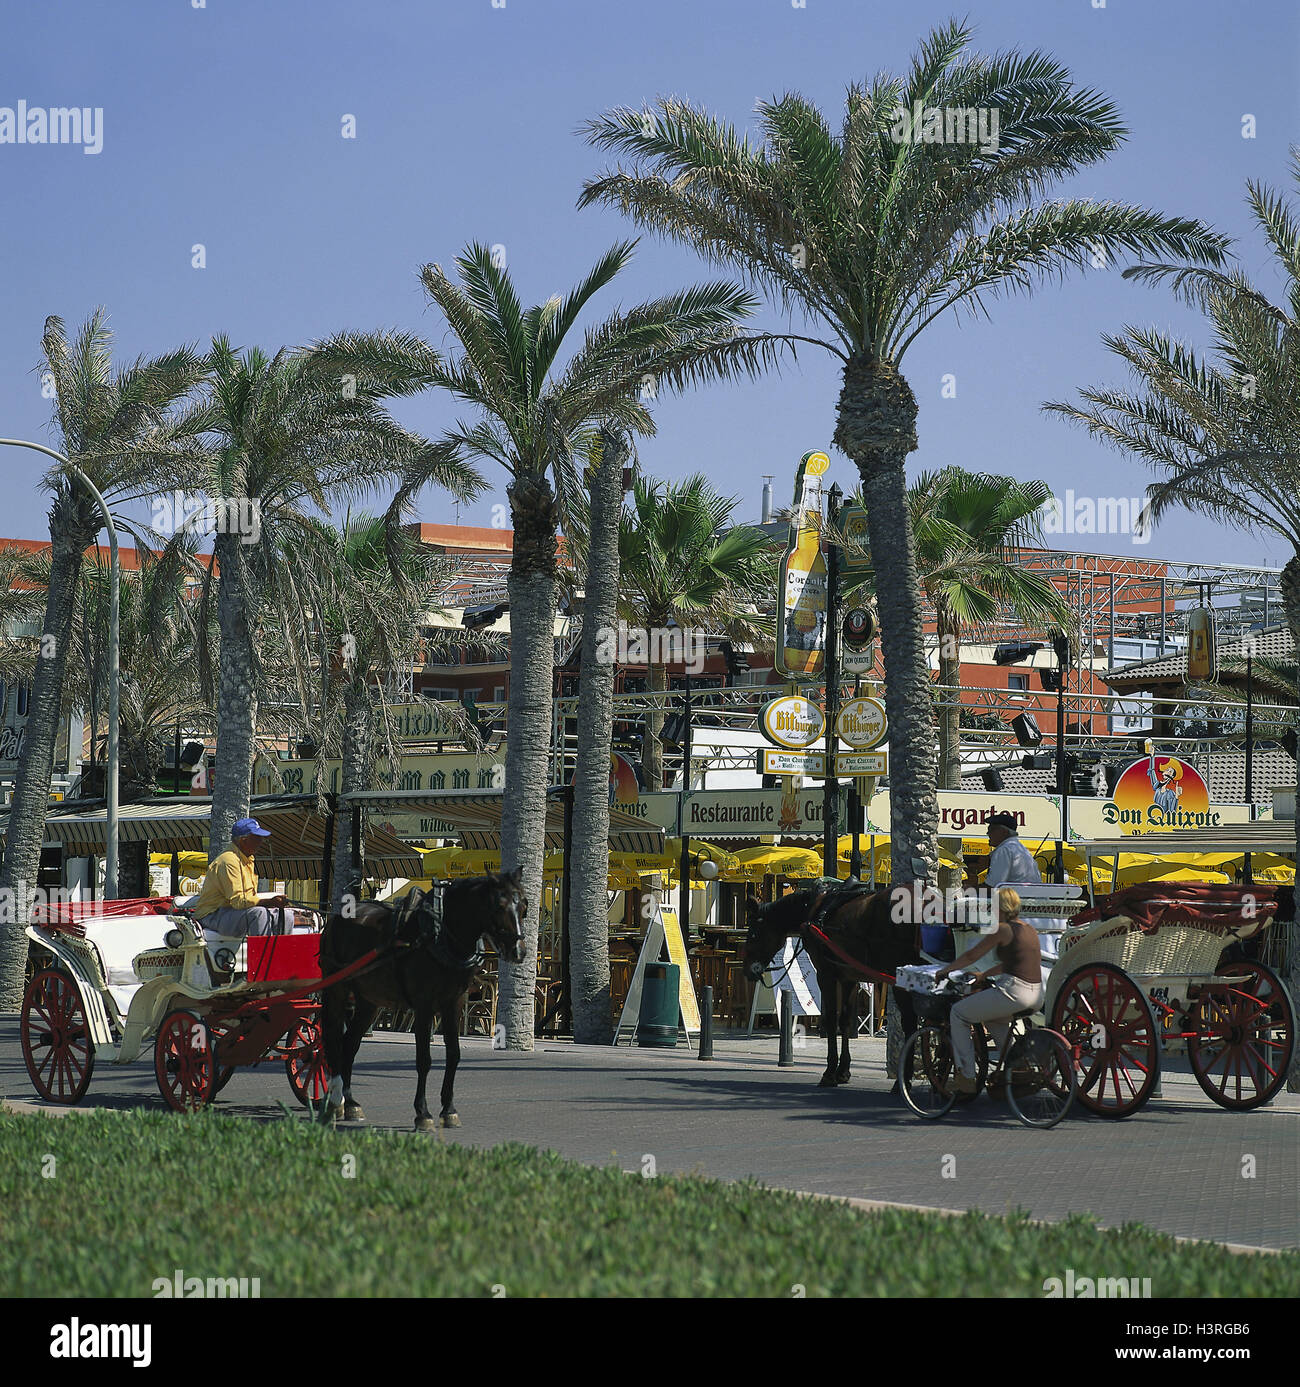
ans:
x=293 y=853
x=1267 y=835
x=475 y=816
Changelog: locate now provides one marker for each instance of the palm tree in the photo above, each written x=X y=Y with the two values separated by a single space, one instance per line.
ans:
x=129 y=431
x=534 y=416
x=371 y=592
x=873 y=235
x=160 y=635
x=589 y=849
x=289 y=434
x=968 y=527
x=1221 y=431
x=682 y=564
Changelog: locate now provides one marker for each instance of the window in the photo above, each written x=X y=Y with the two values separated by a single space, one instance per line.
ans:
x=1018 y=681
x=499 y=694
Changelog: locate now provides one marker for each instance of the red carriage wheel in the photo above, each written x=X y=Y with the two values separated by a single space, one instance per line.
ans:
x=1108 y=1025
x=309 y=1076
x=55 y=1030
x=185 y=1061
x=1242 y=1036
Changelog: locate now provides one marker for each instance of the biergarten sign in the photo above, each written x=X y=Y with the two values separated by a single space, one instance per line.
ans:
x=965 y=814
x=425 y=721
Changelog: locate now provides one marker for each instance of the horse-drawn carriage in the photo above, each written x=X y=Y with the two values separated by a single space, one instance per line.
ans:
x=131 y=974
x=1151 y=969
x=137 y=974
x=1164 y=968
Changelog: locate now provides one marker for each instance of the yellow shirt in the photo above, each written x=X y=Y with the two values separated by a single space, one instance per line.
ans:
x=231 y=880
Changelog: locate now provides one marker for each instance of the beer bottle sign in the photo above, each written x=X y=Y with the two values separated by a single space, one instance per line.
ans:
x=801 y=603
x=1201 y=661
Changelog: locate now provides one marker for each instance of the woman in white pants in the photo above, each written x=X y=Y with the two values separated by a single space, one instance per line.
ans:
x=1016 y=984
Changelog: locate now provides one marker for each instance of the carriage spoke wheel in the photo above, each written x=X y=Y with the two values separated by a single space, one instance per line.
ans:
x=225 y=1072
x=1243 y=1036
x=309 y=1075
x=924 y=1069
x=185 y=1061
x=55 y=1030
x=1040 y=1078
x=1113 y=1038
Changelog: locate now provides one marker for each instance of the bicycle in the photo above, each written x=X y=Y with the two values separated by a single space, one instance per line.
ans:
x=1036 y=1069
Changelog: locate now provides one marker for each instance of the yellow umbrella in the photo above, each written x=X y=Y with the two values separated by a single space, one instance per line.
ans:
x=424 y=884
x=844 y=855
x=707 y=852
x=447 y=864
x=1194 y=874
x=192 y=863
x=759 y=862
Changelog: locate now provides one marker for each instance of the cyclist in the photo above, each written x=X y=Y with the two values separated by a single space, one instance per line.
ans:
x=1016 y=985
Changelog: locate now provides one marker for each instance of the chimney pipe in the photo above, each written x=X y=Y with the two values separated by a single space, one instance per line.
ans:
x=767 y=500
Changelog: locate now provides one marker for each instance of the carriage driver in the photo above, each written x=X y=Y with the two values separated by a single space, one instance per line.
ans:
x=1016 y=985
x=229 y=904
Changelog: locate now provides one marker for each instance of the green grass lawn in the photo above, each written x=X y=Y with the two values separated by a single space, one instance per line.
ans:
x=128 y=1198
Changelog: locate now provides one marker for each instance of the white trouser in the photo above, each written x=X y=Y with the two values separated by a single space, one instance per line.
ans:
x=993 y=1006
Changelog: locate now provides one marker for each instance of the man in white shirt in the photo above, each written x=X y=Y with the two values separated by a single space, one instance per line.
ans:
x=1012 y=864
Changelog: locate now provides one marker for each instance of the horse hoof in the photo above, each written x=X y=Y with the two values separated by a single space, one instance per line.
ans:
x=352 y=1113
x=827 y=1081
x=425 y=1124
x=450 y=1119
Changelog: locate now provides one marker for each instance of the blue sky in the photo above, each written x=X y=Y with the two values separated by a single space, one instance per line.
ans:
x=222 y=127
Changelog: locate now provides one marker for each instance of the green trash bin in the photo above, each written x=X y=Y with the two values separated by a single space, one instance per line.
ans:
x=657 y=1022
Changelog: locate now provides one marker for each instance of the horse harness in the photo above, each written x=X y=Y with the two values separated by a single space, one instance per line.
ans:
x=430 y=935
x=825 y=904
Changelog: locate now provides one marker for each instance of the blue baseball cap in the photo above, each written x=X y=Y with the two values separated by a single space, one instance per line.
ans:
x=246 y=828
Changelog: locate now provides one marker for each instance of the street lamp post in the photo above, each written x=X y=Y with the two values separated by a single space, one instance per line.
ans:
x=114 y=682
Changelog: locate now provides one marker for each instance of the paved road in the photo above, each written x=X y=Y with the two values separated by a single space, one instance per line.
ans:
x=1177 y=1166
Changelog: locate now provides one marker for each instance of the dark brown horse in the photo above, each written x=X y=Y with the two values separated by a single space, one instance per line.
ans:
x=428 y=959
x=868 y=926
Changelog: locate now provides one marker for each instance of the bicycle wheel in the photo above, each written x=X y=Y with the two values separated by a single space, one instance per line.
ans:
x=1041 y=1078
x=924 y=1067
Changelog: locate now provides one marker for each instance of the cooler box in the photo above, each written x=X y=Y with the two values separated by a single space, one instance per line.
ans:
x=275 y=956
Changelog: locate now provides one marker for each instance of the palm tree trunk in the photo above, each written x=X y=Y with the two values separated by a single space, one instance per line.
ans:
x=236 y=694
x=589 y=853
x=1290 y=584
x=36 y=765
x=358 y=714
x=950 y=730
x=877 y=429
x=531 y=586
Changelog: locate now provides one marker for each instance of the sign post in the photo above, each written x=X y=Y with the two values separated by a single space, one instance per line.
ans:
x=830 y=855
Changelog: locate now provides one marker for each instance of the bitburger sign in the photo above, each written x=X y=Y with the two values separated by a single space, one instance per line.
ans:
x=862 y=723
x=792 y=722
